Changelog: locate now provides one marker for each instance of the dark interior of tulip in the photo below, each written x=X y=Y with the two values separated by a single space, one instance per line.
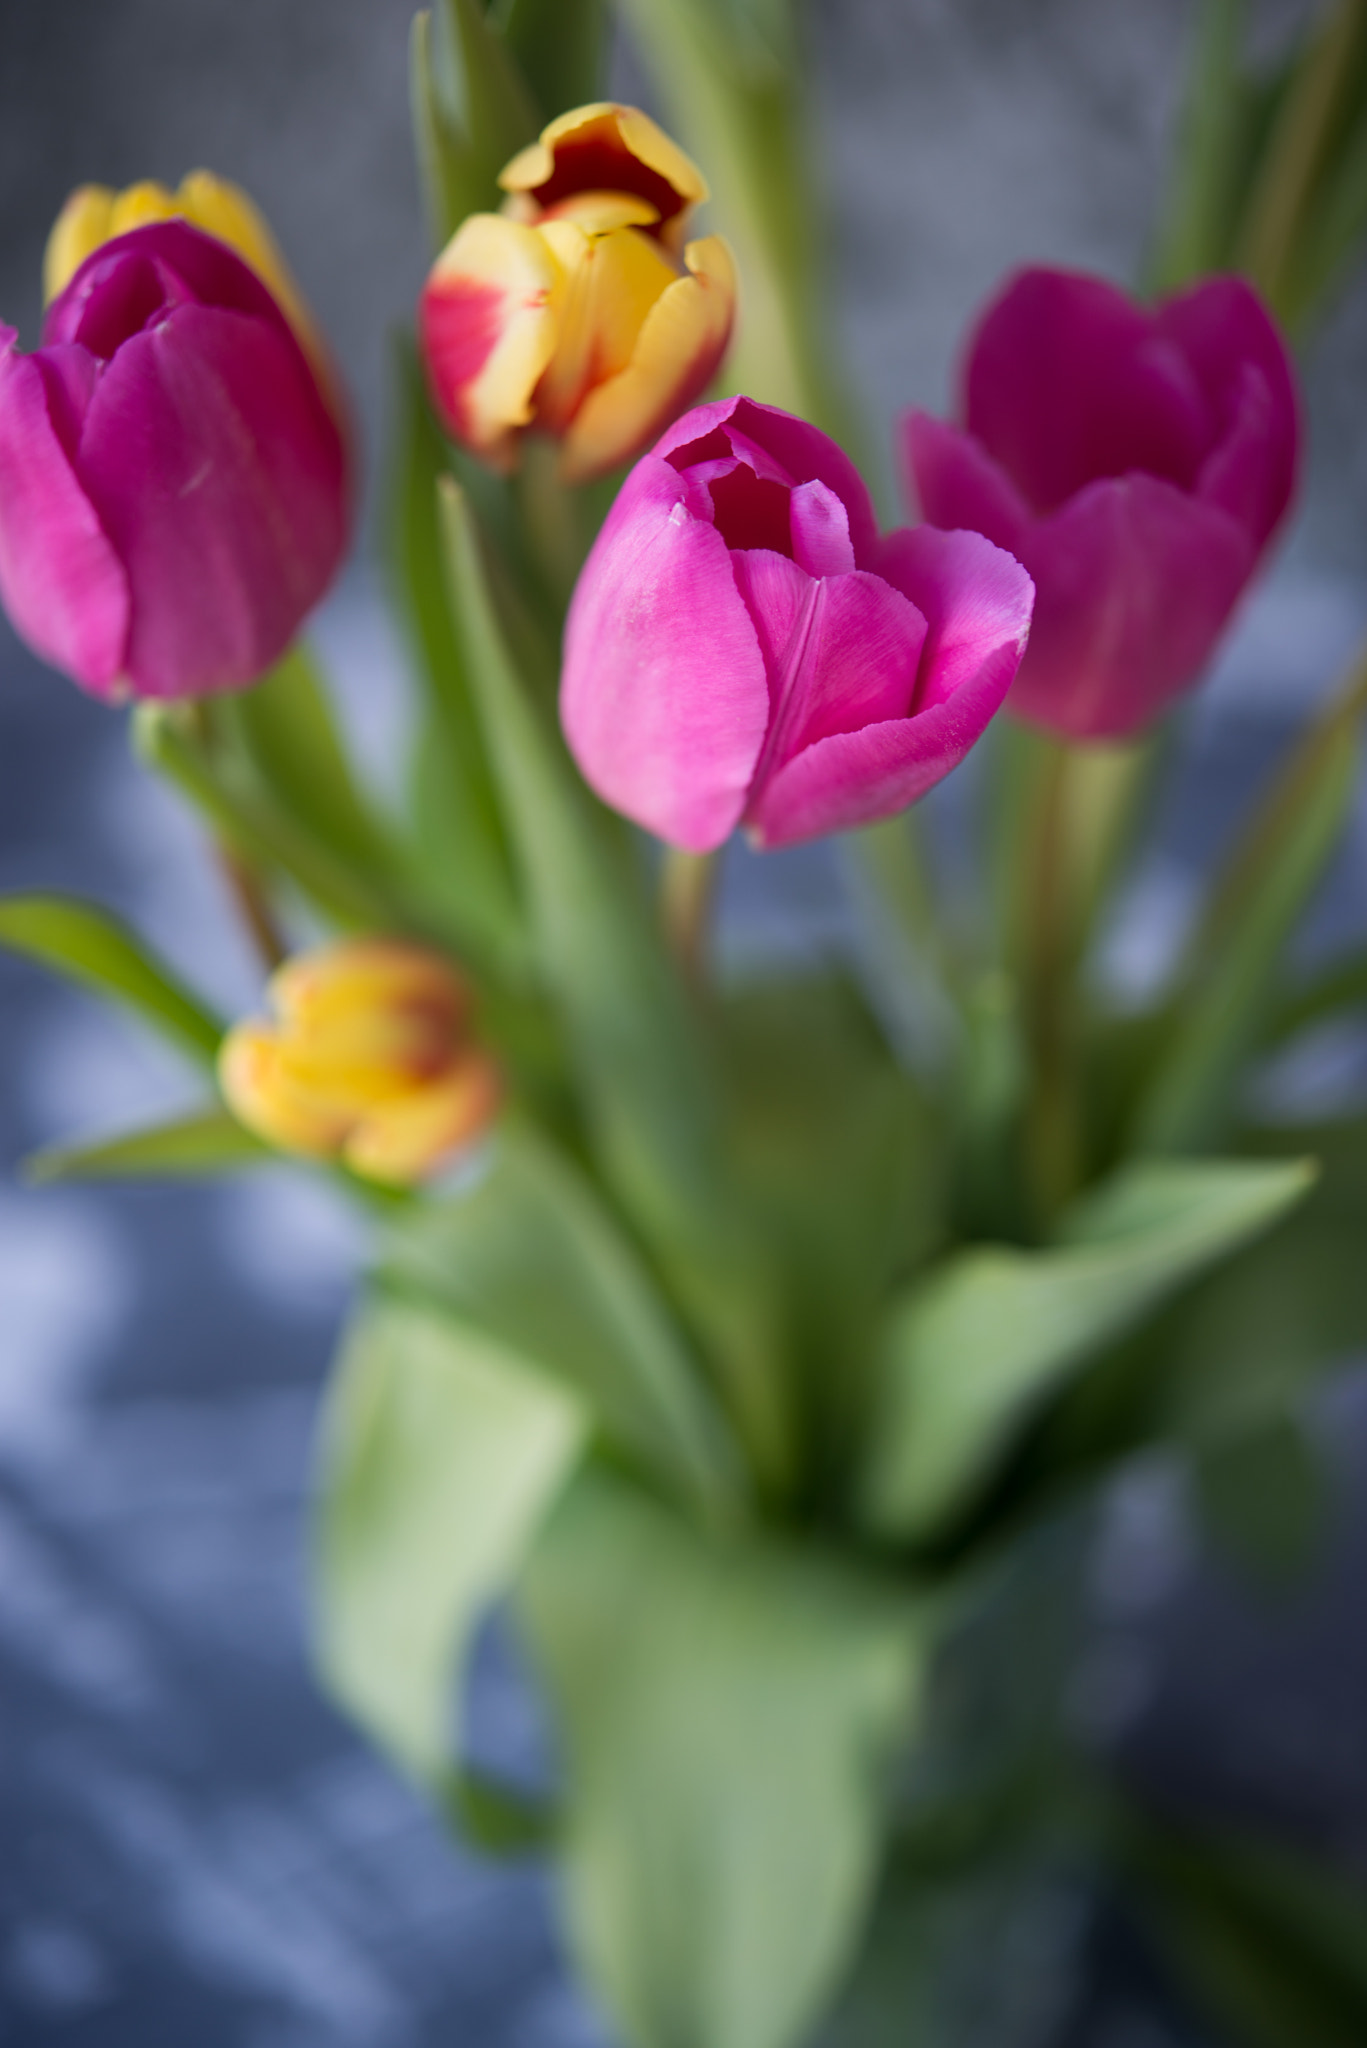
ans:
x=597 y=161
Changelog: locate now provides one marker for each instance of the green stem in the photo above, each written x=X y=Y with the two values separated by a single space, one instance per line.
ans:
x=688 y=887
x=1053 y=1139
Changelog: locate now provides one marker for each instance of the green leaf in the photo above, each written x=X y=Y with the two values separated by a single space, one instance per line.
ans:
x=461 y=852
x=1265 y=1497
x=472 y=111
x=560 y=47
x=441 y=1453
x=974 y=1352
x=90 y=946
x=497 y=1819
x=290 y=735
x=530 y=1259
x=728 y=1712
x=1210 y=159
x=1227 y=983
x=208 y=1142
x=1276 y=1944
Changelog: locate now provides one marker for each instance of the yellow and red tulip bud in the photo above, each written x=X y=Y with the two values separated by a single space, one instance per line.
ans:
x=581 y=309
x=94 y=215
x=368 y=1060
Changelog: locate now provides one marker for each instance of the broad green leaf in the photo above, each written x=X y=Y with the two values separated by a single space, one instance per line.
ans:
x=532 y=1260
x=560 y=46
x=498 y=1819
x=1275 y=1944
x=1265 y=1497
x=728 y=1712
x=647 y=1091
x=461 y=851
x=288 y=730
x=441 y=1453
x=1227 y=984
x=208 y=1142
x=472 y=111
x=973 y=1353
x=92 y=947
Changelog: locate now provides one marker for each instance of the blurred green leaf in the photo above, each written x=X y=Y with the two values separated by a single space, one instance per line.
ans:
x=498 y=1819
x=560 y=46
x=531 y=1259
x=1276 y=1944
x=974 y=1351
x=462 y=851
x=90 y=946
x=472 y=111
x=1226 y=985
x=290 y=736
x=441 y=1453
x=728 y=1711
x=208 y=1142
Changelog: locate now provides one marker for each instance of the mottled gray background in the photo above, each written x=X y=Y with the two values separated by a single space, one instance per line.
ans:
x=192 y=1849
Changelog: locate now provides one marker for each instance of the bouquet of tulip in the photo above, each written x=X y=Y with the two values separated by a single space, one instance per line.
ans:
x=759 y=1343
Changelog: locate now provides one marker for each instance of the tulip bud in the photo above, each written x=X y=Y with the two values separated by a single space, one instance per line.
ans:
x=174 y=491
x=369 y=1061
x=1137 y=461
x=580 y=309
x=743 y=649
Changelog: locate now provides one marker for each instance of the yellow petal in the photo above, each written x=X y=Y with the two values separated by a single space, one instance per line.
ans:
x=605 y=146
x=596 y=212
x=78 y=231
x=360 y=976
x=680 y=345
x=412 y=1138
x=262 y=1094
x=613 y=280
x=489 y=320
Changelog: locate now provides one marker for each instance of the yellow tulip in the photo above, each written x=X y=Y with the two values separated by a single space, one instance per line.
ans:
x=580 y=309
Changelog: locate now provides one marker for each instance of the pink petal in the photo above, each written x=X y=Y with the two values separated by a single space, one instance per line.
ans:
x=60 y=580
x=664 y=698
x=1069 y=381
x=1225 y=332
x=856 y=778
x=800 y=452
x=820 y=528
x=977 y=600
x=220 y=478
x=955 y=483
x=1135 y=582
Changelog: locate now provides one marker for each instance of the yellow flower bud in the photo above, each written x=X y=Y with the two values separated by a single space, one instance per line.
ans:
x=94 y=215
x=580 y=309
x=369 y=1061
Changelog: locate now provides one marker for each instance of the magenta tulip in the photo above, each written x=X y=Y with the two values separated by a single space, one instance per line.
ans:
x=743 y=648
x=173 y=482
x=1138 y=463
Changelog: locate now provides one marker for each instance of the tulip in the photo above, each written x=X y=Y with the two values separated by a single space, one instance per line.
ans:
x=369 y=1062
x=1137 y=462
x=743 y=648
x=580 y=309
x=174 y=491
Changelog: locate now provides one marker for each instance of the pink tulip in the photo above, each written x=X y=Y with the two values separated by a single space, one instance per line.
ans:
x=173 y=482
x=743 y=648
x=1138 y=464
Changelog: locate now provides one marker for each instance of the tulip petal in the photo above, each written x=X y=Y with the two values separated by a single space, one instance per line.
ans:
x=795 y=451
x=61 y=581
x=1225 y=333
x=957 y=484
x=611 y=148
x=680 y=344
x=664 y=697
x=976 y=598
x=841 y=651
x=79 y=229
x=820 y=528
x=414 y=1136
x=612 y=280
x=1069 y=381
x=219 y=477
x=1136 y=580
x=489 y=321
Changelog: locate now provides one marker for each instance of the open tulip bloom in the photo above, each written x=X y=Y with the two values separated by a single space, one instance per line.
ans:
x=759 y=1341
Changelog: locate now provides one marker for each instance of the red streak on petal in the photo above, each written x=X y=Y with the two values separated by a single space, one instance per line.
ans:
x=461 y=324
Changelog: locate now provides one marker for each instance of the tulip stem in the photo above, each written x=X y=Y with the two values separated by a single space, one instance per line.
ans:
x=1052 y=1136
x=688 y=883
x=250 y=895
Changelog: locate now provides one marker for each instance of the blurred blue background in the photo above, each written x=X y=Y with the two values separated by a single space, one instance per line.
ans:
x=192 y=1848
